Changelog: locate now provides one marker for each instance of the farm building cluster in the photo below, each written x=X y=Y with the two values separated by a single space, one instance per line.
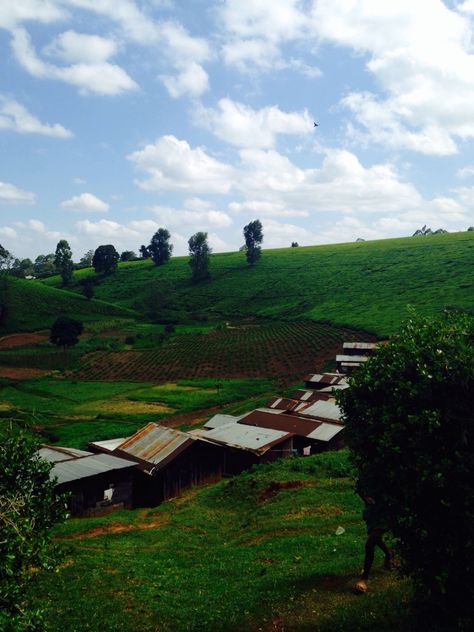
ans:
x=158 y=463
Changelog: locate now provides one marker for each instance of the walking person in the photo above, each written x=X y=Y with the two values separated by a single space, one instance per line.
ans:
x=374 y=516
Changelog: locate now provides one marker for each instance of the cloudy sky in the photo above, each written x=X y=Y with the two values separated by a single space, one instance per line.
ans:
x=118 y=117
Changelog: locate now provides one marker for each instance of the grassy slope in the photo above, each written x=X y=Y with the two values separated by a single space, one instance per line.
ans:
x=366 y=284
x=258 y=552
x=33 y=305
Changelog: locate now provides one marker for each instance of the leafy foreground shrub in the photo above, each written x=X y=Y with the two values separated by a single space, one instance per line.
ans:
x=28 y=508
x=410 y=427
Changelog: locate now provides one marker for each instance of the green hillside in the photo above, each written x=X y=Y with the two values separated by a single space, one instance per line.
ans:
x=363 y=284
x=260 y=551
x=32 y=305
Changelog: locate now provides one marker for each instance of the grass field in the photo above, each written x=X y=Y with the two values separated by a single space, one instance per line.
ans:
x=71 y=413
x=32 y=305
x=258 y=552
x=364 y=284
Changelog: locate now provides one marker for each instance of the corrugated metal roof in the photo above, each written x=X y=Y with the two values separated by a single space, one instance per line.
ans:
x=351 y=358
x=335 y=387
x=283 y=403
x=286 y=423
x=324 y=379
x=366 y=346
x=221 y=420
x=325 y=432
x=325 y=410
x=87 y=466
x=57 y=454
x=307 y=396
x=107 y=446
x=155 y=444
x=243 y=437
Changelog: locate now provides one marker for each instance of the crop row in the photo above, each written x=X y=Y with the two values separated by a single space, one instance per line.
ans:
x=276 y=350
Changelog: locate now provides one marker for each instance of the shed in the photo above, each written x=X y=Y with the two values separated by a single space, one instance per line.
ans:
x=359 y=348
x=107 y=446
x=243 y=446
x=97 y=483
x=170 y=462
x=323 y=410
x=322 y=380
x=220 y=420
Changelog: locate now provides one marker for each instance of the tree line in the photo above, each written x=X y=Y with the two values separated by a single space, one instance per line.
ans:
x=105 y=258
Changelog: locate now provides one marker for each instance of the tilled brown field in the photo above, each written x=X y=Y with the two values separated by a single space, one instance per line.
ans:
x=286 y=350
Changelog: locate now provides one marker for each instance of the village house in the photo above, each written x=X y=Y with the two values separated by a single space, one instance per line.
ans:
x=95 y=483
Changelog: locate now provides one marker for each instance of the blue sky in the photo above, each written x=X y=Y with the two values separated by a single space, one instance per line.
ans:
x=118 y=117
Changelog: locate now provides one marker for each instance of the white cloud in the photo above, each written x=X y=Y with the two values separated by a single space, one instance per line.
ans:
x=280 y=235
x=15 y=117
x=13 y=195
x=195 y=213
x=240 y=125
x=38 y=226
x=192 y=81
x=466 y=171
x=256 y=30
x=98 y=77
x=266 y=209
x=71 y=47
x=420 y=54
x=8 y=231
x=466 y=7
x=171 y=164
x=106 y=228
x=87 y=203
x=13 y=13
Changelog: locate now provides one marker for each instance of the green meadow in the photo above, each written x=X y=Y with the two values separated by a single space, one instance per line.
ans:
x=72 y=413
x=256 y=552
x=364 y=284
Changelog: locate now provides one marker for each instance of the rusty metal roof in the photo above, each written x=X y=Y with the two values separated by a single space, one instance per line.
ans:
x=285 y=423
x=155 y=444
x=283 y=403
x=88 y=466
x=324 y=379
x=57 y=454
x=243 y=437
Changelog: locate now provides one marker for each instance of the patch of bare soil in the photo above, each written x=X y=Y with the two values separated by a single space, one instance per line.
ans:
x=21 y=340
x=116 y=527
x=21 y=373
x=276 y=486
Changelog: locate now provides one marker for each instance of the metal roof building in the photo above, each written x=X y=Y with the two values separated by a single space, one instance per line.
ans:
x=244 y=437
x=322 y=380
x=221 y=420
x=155 y=444
x=107 y=446
x=359 y=348
x=87 y=466
x=56 y=454
x=323 y=410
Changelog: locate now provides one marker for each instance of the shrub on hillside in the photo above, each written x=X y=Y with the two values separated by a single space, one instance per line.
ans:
x=410 y=428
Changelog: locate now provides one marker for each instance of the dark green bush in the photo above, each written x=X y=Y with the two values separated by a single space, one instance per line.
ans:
x=410 y=427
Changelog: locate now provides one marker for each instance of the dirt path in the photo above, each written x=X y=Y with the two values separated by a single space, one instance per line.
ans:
x=21 y=340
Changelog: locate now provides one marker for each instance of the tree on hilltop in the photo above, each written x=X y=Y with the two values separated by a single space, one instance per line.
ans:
x=105 y=259
x=253 y=238
x=5 y=258
x=160 y=249
x=144 y=252
x=409 y=426
x=63 y=261
x=128 y=255
x=86 y=260
x=199 y=252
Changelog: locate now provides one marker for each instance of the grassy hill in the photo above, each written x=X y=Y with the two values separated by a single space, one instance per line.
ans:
x=33 y=305
x=364 y=284
x=257 y=552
